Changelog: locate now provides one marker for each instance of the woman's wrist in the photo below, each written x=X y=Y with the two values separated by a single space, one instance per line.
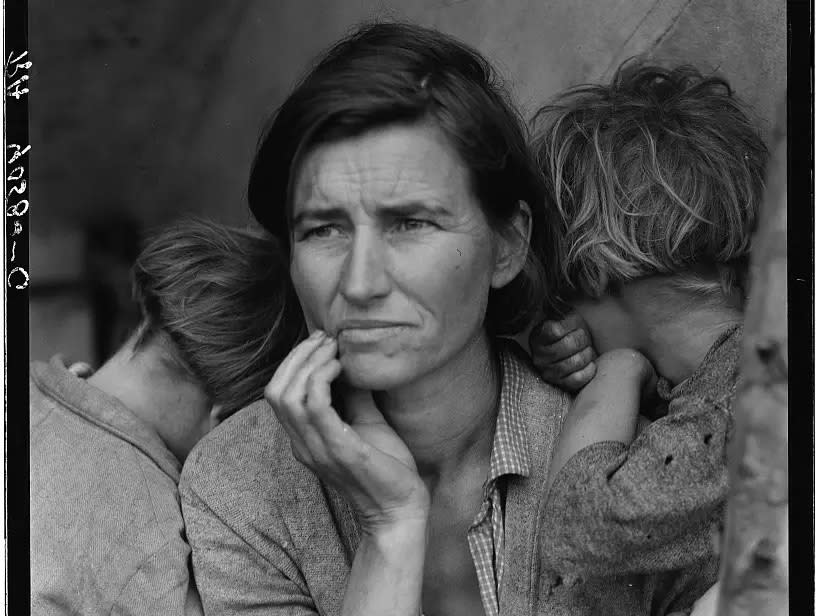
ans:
x=388 y=569
x=397 y=535
x=410 y=520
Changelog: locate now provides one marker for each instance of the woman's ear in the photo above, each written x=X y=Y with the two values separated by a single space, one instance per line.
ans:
x=512 y=247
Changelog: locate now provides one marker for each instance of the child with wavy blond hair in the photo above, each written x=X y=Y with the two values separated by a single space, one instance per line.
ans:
x=658 y=176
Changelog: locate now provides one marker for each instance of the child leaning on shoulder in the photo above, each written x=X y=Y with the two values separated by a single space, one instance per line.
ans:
x=658 y=176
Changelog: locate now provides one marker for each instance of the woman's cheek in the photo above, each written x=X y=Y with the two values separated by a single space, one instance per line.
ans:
x=466 y=282
x=310 y=286
x=311 y=310
x=471 y=265
x=310 y=321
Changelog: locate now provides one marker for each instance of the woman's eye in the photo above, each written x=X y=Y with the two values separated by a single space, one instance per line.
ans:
x=413 y=224
x=323 y=231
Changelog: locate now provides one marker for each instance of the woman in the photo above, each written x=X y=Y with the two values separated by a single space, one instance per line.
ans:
x=107 y=447
x=398 y=174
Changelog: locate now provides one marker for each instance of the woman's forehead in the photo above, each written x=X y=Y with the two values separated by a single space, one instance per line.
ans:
x=394 y=165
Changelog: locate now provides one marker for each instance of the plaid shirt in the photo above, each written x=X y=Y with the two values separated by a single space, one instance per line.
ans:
x=509 y=455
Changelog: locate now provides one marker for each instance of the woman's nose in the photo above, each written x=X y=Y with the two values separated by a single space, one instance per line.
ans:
x=365 y=277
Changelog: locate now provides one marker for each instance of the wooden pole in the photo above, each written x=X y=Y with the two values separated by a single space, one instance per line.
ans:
x=754 y=568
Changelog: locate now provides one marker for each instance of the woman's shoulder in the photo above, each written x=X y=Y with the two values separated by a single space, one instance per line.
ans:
x=540 y=408
x=249 y=452
x=249 y=432
x=242 y=481
x=537 y=398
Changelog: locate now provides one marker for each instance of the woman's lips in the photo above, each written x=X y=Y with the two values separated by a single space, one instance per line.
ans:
x=367 y=332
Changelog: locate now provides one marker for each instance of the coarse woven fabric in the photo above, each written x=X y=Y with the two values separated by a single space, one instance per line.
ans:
x=269 y=538
x=656 y=505
x=106 y=527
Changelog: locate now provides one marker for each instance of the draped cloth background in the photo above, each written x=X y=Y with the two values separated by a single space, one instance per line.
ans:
x=153 y=108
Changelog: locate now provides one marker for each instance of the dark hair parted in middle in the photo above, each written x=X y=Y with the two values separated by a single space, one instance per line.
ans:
x=397 y=73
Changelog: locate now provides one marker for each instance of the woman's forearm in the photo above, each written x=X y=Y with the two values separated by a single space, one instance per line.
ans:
x=387 y=572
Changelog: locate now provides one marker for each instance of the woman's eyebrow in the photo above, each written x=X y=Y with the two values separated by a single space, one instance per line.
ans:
x=319 y=214
x=415 y=208
x=387 y=210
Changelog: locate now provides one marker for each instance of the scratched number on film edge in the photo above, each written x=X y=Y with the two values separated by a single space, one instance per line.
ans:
x=17 y=67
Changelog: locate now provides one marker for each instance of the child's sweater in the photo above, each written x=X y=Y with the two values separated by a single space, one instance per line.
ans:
x=654 y=505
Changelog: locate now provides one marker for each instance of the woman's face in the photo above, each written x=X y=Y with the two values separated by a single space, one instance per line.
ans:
x=392 y=253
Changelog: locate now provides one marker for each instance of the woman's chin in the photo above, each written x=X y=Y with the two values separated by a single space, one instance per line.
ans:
x=374 y=372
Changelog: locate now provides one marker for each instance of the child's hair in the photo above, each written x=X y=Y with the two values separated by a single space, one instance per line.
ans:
x=659 y=172
x=222 y=297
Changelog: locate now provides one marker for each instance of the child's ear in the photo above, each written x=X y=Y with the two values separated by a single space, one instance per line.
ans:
x=512 y=244
x=216 y=415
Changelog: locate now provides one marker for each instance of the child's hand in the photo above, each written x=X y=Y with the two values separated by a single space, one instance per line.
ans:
x=562 y=352
x=81 y=369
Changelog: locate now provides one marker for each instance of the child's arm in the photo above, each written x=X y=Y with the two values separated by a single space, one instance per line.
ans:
x=649 y=506
x=607 y=409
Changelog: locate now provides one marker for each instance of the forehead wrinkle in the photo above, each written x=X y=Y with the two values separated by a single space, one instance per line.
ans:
x=374 y=185
x=328 y=180
x=422 y=183
x=356 y=172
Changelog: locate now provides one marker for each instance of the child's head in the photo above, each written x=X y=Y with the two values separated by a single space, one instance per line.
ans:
x=659 y=172
x=218 y=300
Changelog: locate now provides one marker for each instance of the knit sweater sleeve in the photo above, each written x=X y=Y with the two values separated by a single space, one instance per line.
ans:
x=160 y=585
x=233 y=574
x=243 y=555
x=645 y=508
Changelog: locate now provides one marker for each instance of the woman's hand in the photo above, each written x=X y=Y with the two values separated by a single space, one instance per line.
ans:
x=365 y=459
x=563 y=353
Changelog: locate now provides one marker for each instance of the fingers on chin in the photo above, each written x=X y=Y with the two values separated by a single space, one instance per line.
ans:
x=297 y=357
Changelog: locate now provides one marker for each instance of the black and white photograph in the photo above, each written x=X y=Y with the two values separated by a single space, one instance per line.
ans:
x=403 y=308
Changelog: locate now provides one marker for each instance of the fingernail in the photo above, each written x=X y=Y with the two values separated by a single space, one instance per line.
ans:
x=316 y=335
